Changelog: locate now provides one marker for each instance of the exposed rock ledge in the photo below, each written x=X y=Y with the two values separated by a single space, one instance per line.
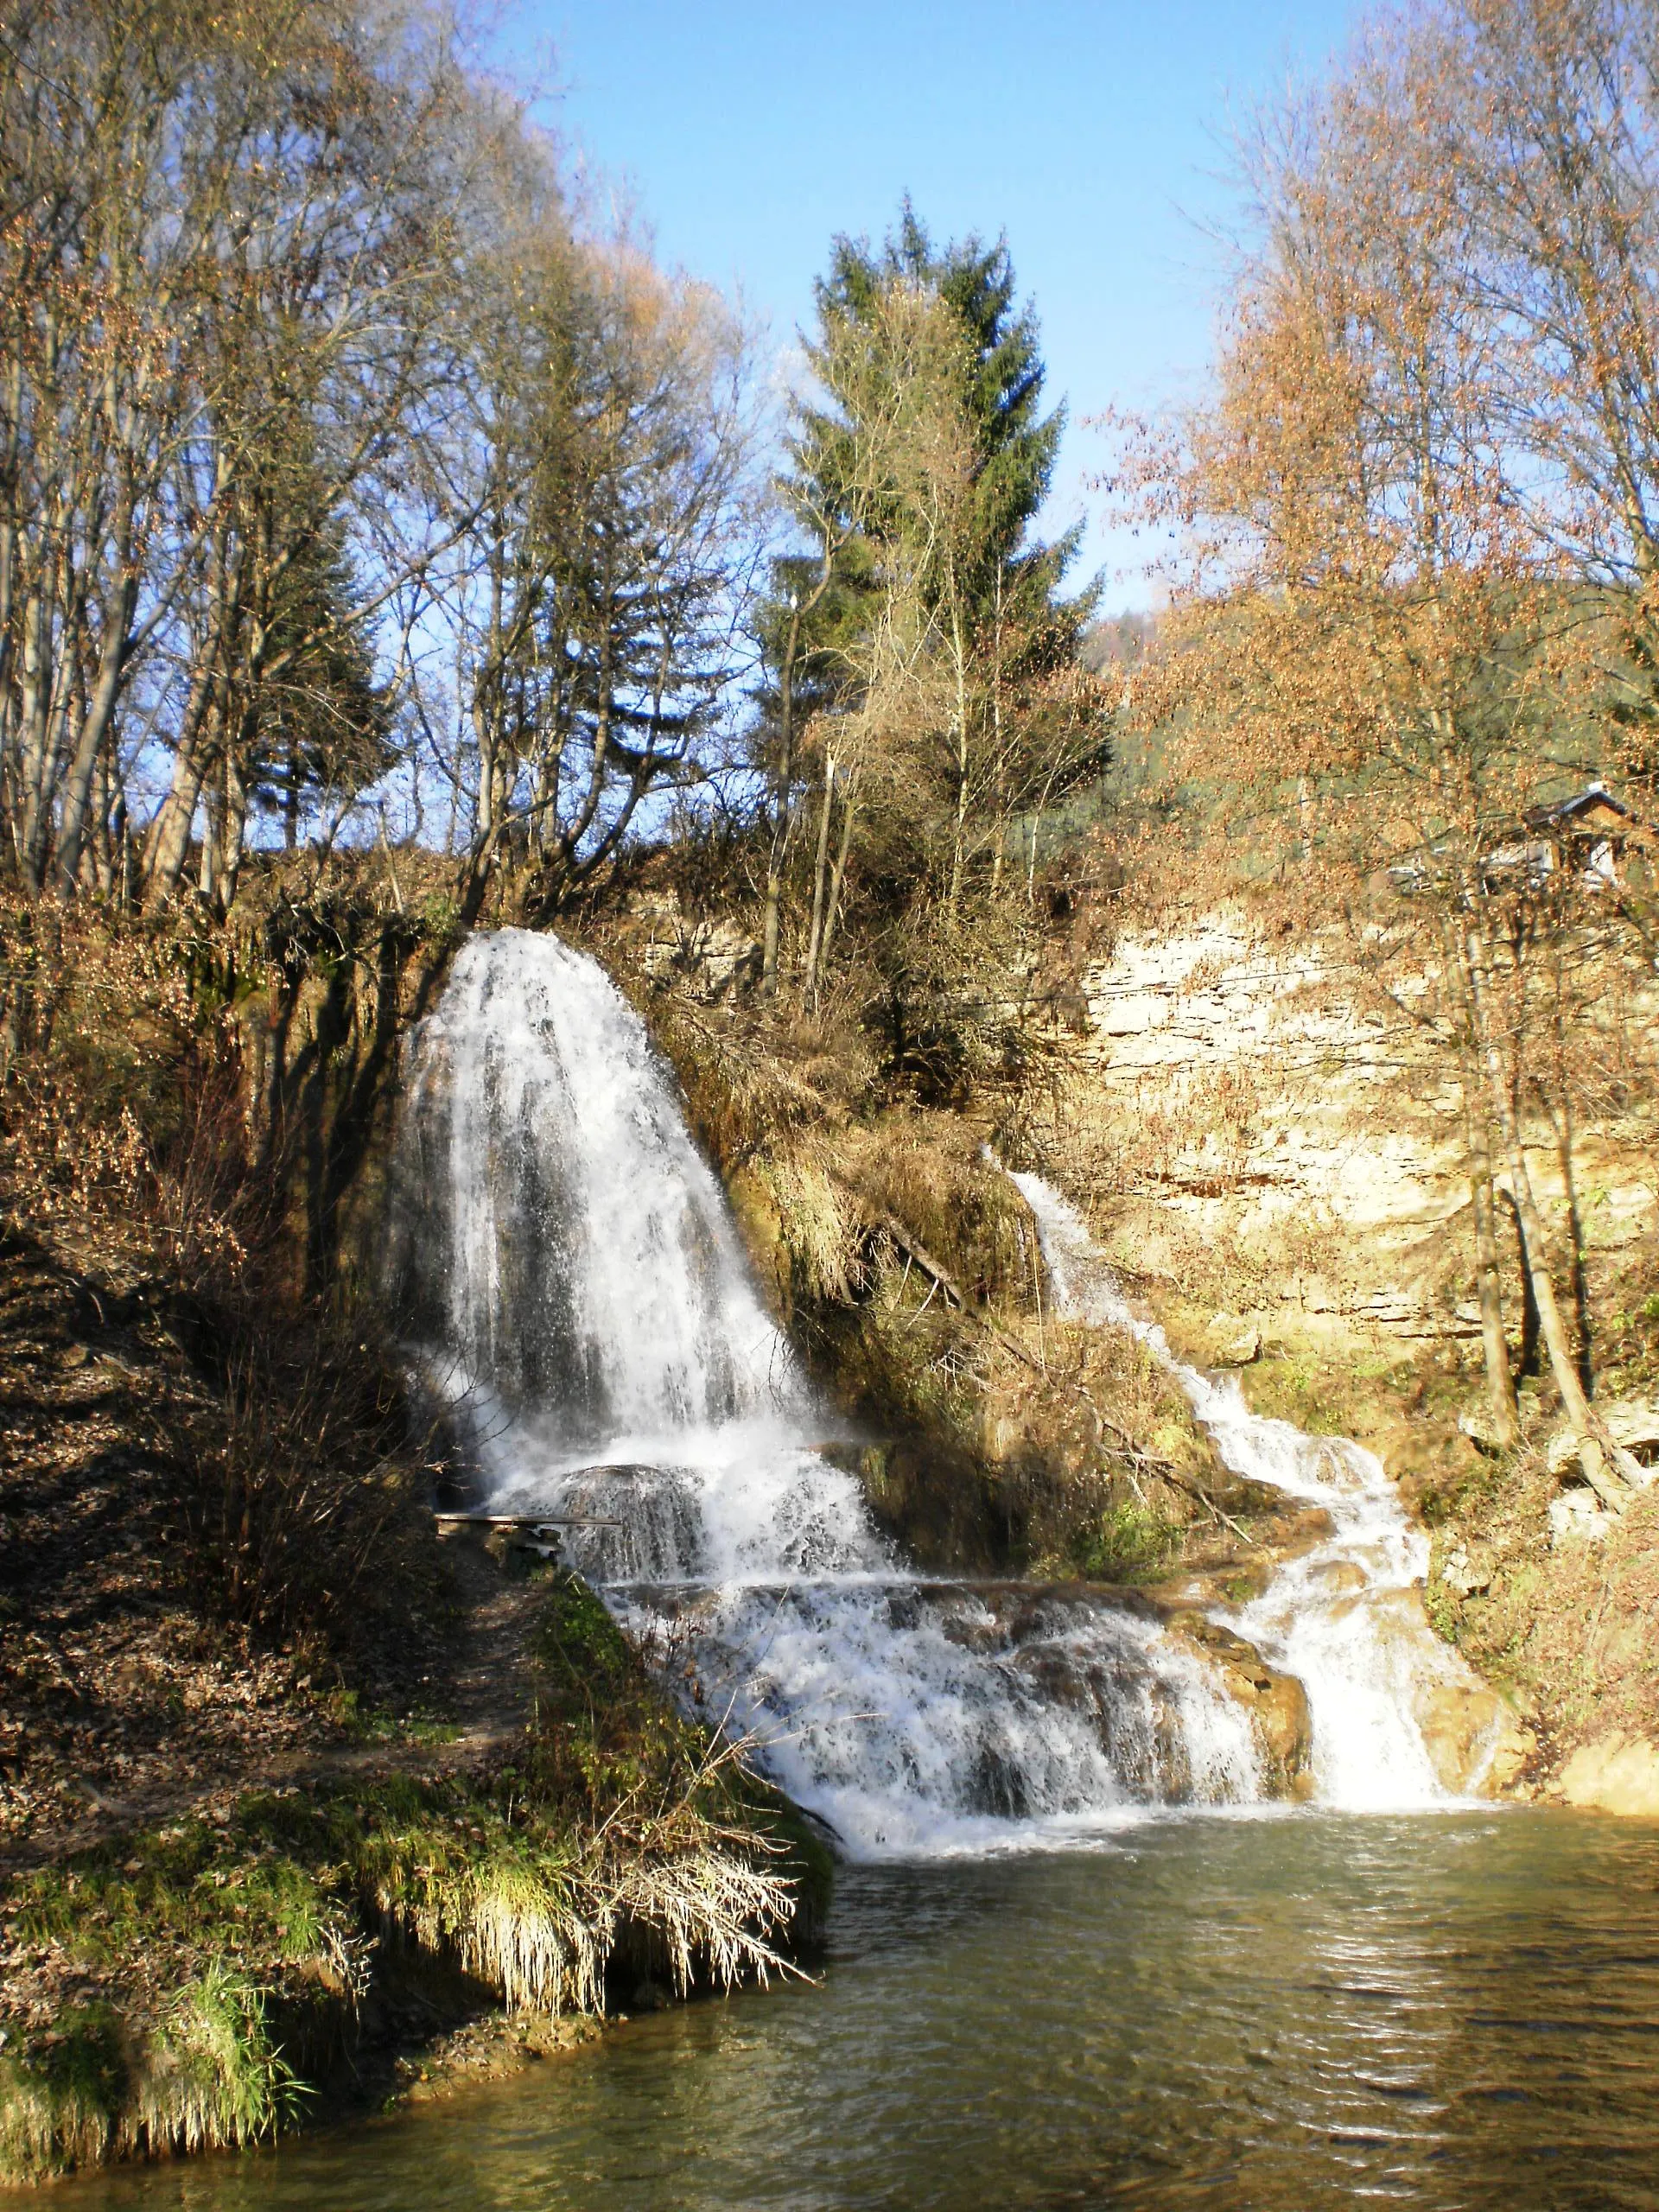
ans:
x=1616 y=1774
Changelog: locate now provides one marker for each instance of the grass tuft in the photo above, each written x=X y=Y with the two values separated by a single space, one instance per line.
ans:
x=211 y=2078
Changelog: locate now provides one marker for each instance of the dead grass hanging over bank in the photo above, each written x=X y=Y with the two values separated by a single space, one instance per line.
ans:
x=242 y=1848
x=186 y=1987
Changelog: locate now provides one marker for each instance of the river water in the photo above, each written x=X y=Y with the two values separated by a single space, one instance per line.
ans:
x=1255 y=2013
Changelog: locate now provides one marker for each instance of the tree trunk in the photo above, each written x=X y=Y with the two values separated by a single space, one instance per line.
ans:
x=235 y=829
x=1598 y=1454
x=783 y=819
x=1527 y=1361
x=168 y=845
x=959 y=835
x=1580 y=1281
x=849 y=803
x=820 y=864
x=207 y=880
x=95 y=724
x=1500 y=1382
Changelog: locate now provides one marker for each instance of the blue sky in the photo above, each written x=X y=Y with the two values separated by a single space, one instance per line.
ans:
x=745 y=135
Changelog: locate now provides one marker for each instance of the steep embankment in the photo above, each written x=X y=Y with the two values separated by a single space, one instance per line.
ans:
x=288 y=1784
x=907 y=1266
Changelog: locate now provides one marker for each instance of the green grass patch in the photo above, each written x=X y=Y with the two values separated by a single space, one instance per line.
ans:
x=1126 y=1543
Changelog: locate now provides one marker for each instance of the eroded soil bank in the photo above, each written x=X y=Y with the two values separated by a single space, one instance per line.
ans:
x=1293 y=2010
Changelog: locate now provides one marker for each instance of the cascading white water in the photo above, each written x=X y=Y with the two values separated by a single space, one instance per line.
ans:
x=577 y=1284
x=589 y=1263
x=1344 y=1617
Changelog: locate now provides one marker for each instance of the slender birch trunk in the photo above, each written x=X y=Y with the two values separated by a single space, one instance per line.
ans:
x=850 y=808
x=1500 y=1380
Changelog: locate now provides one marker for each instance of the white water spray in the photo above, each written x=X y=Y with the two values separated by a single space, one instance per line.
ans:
x=584 y=1304
x=1344 y=1617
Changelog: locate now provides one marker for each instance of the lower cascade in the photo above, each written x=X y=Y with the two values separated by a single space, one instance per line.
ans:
x=583 y=1305
x=1344 y=1617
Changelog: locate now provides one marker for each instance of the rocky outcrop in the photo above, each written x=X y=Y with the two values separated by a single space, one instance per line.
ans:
x=1253 y=1095
x=1276 y=1704
x=1615 y=1774
x=714 y=957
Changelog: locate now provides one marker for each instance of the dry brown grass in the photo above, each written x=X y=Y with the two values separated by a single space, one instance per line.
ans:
x=1568 y=1631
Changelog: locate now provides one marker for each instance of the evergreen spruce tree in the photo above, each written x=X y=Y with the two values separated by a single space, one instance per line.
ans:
x=917 y=474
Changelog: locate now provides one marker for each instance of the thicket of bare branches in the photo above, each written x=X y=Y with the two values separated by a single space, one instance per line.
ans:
x=340 y=468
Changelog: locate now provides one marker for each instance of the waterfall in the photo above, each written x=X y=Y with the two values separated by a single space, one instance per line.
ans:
x=580 y=1296
x=582 y=1259
x=1344 y=1617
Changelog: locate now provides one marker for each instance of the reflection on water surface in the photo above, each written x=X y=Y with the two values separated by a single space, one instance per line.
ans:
x=1256 y=2014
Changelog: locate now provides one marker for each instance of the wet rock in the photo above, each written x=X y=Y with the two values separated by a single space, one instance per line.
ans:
x=1229 y=1581
x=1276 y=1703
x=1511 y=1754
x=1462 y=1724
x=1616 y=1774
x=1344 y=1575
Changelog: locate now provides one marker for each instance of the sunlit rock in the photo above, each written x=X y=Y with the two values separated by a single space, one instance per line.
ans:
x=1577 y=1517
x=1616 y=1774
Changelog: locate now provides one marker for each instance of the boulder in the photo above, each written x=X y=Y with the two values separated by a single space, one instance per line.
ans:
x=1465 y=1577
x=1233 y=1343
x=1343 y=1576
x=1616 y=1774
x=1276 y=1703
x=1577 y=1517
x=1482 y=1432
x=1462 y=1723
x=1633 y=1424
x=1511 y=1754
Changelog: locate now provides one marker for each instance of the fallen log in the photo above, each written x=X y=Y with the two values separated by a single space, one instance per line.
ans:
x=523 y=1520
x=913 y=1249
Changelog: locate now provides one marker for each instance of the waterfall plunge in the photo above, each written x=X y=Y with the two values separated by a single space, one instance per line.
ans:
x=583 y=1304
x=582 y=1301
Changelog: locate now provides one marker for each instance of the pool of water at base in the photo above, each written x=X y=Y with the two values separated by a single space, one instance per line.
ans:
x=1262 y=2015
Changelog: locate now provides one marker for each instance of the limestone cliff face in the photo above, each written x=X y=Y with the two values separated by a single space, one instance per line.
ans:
x=1266 y=1136
x=1274 y=1158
